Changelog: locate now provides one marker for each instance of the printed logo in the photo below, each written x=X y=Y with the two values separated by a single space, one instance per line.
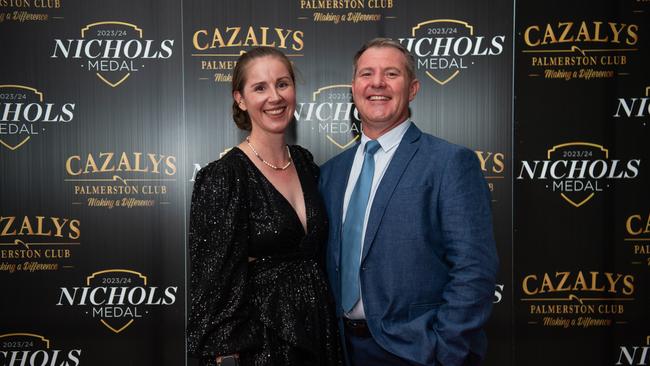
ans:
x=24 y=113
x=112 y=50
x=29 y=349
x=493 y=166
x=117 y=297
x=443 y=48
x=498 y=293
x=637 y=237
x=216 y=50
x=582 y=299
x=580 y=50
x=634 y=355
x=332 y=114
x=634 y=108
x=38 y=243
x=21 y=11
x=120 y=179
x=345 y=11
x=578 y=170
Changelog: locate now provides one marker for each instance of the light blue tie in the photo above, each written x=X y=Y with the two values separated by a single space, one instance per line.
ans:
x=352 y=229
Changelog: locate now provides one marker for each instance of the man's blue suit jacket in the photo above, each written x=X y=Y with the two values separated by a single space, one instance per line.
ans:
x=429 y=260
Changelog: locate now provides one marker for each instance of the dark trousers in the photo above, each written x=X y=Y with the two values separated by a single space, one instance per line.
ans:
x=362 y=349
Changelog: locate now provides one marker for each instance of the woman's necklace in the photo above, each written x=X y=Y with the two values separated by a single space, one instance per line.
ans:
x=274 y=167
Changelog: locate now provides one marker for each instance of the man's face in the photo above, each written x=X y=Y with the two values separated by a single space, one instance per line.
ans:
x=382 y=89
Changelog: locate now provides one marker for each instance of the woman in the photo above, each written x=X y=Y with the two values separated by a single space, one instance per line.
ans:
x=257 y=288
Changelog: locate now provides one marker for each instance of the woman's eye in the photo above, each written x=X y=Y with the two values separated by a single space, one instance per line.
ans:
x=259 y=88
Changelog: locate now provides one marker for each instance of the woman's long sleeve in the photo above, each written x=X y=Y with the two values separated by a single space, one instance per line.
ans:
x=218 y=318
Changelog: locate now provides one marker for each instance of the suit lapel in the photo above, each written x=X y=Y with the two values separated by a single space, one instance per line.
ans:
x=337 y=193
x=396 y=167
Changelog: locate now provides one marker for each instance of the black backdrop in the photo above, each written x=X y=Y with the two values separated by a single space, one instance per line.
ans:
x=108 y=109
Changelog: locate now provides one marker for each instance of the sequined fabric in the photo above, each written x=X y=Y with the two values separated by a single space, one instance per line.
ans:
x=276 y=310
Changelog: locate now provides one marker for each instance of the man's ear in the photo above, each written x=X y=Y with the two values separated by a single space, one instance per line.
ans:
x=413 y=89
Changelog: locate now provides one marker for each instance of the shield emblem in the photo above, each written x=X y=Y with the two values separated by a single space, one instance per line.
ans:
x=120 y=278
x=442 y=28
x=111 y=74
x=578 y=151
x=20 y=130
x=338 y=96
x=23 y=341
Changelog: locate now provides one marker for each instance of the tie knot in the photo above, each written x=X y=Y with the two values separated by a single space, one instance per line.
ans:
x=372 y=146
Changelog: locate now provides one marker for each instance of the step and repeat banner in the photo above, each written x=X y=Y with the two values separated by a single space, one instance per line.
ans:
x=108 y=109
x=581 y=202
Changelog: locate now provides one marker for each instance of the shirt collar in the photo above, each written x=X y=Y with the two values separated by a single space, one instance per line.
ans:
x=390 y=139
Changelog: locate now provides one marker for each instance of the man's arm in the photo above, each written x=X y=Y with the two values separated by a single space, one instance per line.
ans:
x=470 y=250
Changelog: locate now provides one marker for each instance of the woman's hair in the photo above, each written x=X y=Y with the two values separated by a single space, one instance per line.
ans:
x=240 y=116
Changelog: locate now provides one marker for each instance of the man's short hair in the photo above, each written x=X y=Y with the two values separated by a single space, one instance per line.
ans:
x=386 y=42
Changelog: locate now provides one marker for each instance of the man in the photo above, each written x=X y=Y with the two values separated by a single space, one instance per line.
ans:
x=411 y=256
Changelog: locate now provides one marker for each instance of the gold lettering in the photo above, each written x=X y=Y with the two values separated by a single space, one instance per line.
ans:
x=195 y=40
x=297 y=38
x=156 y=162
x=567 y=28
x=107 y=161
x=612 y=282
x=527 y=36
x=580 y=283
x=483 y=160
x=499 y=165
x=283 y=37
x=616 y=31
x=26 y=226
x=250 y=35
x=171 y=165
x=90 y=163
x=634 y=37
x=549 y=36
x=525 y=287
x=68 y=165
x=628 y=225
x=583 y=33
x=233 y=36
x=59 y=227
x=594 y=282
x=547 y=284
x=217 y=39
x=124 y=164
x=74 y=228
x=8 y=225
x=560 y=286
x=138 y=159
x=628 y=282
x=39 y=225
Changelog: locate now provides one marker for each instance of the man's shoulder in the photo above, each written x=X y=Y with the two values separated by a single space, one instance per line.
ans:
x=431 y=142
x=339 y=159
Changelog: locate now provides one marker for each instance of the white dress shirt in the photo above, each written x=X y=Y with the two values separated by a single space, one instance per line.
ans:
x=388 y=142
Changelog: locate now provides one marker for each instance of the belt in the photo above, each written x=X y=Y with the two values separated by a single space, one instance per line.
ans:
x=356 y=327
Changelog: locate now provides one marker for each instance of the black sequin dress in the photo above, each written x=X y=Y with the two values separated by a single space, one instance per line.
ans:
x=276 y=310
